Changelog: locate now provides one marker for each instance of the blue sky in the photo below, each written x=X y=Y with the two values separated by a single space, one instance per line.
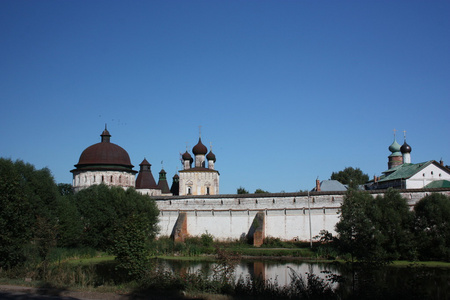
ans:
x=286 y=91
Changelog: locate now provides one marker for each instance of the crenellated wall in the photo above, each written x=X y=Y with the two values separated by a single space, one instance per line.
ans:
x=287 y=216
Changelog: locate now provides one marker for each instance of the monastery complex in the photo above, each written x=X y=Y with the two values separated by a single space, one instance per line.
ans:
x=192 y=204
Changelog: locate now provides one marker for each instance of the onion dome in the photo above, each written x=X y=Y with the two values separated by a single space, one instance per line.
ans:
x=405 y=148
x=145 y=178
x=199 y=149
x=394 y=147
x=105 y=155
x=211 y=156
x=187 y=156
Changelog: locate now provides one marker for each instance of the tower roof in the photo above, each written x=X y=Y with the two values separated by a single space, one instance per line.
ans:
x=145 y=178
x=211 y=156
x=405 y=148
x=104 y=155
x=394 y=147
x=199 y=149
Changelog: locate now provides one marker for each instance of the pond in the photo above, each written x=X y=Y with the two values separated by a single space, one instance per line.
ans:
x=415 y=281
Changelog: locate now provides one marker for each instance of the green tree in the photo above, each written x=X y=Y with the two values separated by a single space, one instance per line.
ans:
x=261 y=191
x=375 y=230
x=242 y=190
x=395 y=222
x=352 y=177
x=103 y=209
x=131 y=245
x=28 y=211
x=65 y=189
x=358 y=232
x=16 y=216
x=432 y=227
x=70 y=226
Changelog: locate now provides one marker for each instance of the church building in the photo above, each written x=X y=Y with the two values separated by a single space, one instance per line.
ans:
x=108 y=163
x=402 y=174
x=105 y=163
x=200 y=179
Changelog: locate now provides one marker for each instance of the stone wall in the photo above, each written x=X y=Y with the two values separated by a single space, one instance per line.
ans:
x=85 y=179
x=287 y=215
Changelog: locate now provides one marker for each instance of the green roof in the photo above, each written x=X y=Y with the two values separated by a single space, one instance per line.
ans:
x=404 y=171
x=438 y=184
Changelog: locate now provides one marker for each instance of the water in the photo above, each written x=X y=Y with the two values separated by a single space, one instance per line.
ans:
x=412 y=282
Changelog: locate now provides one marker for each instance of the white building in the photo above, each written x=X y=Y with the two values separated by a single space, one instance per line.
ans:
x=402 y=174
x=105 y=163
x=200 y=179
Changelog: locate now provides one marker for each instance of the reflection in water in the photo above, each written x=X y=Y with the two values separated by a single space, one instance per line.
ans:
x=279 y=271
x=415 y=281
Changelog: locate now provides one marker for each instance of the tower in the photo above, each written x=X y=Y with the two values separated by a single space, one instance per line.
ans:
x=145 y=183
x=201 y=179
x=103 y=163
x=162 y=183
x=406 y=150
x=395 y=159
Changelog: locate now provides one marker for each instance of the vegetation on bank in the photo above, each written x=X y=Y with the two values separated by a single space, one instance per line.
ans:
x=46 y=227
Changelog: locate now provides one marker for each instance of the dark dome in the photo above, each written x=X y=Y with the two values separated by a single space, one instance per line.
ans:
x=199 y=149
x=187 y=156
x=104 y=153
x=211 y=156
x=405 y=148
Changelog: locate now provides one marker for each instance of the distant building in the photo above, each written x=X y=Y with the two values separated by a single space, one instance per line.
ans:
x=402 y=174
x=108 y=163
x=200 y=179
x=329 y=186
x=105 y=163
x=145 y=183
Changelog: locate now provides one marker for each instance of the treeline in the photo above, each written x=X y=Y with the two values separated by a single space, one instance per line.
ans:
x=382 y=229
x=37 y=215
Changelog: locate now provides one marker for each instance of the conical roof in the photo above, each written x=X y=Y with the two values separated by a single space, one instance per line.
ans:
x=145 y=178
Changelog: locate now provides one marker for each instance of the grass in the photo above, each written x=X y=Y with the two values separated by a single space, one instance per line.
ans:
x=91 y=260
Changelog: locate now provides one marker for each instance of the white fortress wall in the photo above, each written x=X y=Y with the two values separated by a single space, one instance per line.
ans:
x=287 y=216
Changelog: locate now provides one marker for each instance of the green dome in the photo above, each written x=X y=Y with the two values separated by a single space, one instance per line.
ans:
x=395 y=147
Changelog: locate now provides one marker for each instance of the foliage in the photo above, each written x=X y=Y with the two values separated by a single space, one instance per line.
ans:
x=352 y=177
x=28 y=215
x=375 y=230
x=394 y=220
x=432 y=227
x=15 y=215
x=358 y=231
x=242 y=190
x=131 y=245
x=65 y=189
x=70 y=226
x=260 y=191
x=103 y=209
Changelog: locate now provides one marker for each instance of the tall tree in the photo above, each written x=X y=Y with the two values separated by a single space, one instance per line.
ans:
x=432 y=225
x=352 y=177
x=375 y=230
x=16 y=216
x=103 y=209
x=358 y=233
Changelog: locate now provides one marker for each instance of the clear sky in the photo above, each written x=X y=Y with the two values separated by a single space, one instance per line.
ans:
x=286 y=91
